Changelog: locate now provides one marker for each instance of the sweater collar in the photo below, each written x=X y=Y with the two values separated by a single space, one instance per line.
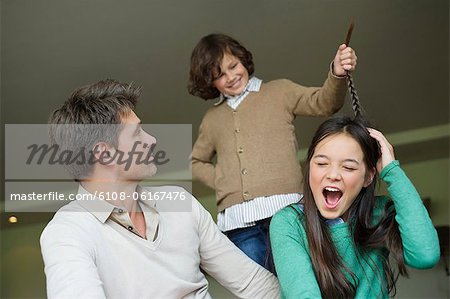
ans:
x=329 y=222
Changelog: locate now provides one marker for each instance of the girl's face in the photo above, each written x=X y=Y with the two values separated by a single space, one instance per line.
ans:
x=233 y=76
x=337 y=174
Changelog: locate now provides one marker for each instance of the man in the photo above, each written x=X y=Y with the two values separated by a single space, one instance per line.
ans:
x=127 y=248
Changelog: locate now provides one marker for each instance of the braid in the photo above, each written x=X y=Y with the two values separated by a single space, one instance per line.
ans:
x=356 y=105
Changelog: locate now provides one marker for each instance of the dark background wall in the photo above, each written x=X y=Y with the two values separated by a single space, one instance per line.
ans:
x=50 y=47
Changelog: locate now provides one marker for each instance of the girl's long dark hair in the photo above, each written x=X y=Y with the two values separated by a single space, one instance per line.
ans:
x=330 y=270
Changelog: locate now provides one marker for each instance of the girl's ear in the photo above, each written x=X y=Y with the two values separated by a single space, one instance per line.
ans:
x=369 y=177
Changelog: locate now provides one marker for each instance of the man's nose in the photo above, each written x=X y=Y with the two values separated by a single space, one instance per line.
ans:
x=151 y=139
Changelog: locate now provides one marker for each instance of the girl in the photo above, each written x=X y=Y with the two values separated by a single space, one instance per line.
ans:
x=250 y=130
x=335 y=243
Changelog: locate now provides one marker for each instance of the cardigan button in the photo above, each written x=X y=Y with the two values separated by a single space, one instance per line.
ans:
x=244 y=171
x=240 y=150
x=237 y=130
x=246 y=194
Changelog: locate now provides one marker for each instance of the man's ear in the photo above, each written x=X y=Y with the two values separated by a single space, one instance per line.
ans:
x=103 y=153
x=369 y=177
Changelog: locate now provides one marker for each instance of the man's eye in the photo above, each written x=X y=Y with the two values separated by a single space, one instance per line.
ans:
x=138 y=132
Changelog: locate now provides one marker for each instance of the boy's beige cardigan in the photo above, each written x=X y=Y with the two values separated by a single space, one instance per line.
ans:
x=255 y=145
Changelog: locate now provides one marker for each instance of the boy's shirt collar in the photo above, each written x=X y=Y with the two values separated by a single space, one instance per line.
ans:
x=253 y=85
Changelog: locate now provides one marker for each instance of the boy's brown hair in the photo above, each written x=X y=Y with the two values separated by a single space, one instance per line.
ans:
x=205 y=63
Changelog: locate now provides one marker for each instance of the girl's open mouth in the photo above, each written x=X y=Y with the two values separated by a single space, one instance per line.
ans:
x=332 y=197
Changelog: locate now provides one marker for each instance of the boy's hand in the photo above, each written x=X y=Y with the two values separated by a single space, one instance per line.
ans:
x=344 y=61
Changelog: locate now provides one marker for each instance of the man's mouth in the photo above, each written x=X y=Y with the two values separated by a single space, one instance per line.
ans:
x=332 y=196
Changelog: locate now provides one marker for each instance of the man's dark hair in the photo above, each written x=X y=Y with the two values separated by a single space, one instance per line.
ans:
x=92 y=114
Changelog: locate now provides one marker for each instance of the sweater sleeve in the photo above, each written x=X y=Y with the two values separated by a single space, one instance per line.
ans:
x=291 y=256
x=69 y=263
x=230 y=266
x=419 y=237
x=316 y=101
x=202 y=154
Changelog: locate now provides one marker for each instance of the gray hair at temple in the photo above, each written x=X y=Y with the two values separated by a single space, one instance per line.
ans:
x=92 y=114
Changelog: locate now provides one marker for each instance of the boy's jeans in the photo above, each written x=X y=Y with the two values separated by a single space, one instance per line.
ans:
x=254 y=241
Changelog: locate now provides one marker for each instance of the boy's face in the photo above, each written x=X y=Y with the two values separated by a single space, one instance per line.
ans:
x=233 y=76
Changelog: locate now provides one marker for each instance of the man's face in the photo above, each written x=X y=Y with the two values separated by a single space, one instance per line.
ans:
x=136 y=145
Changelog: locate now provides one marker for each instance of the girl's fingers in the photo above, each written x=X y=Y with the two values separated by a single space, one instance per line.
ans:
x=387 y=150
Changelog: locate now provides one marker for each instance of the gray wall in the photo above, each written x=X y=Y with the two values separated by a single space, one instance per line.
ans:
x=49 y=47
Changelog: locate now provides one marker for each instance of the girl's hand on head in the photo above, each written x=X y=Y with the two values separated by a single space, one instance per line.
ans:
x=344 y=61
x=387 y=151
